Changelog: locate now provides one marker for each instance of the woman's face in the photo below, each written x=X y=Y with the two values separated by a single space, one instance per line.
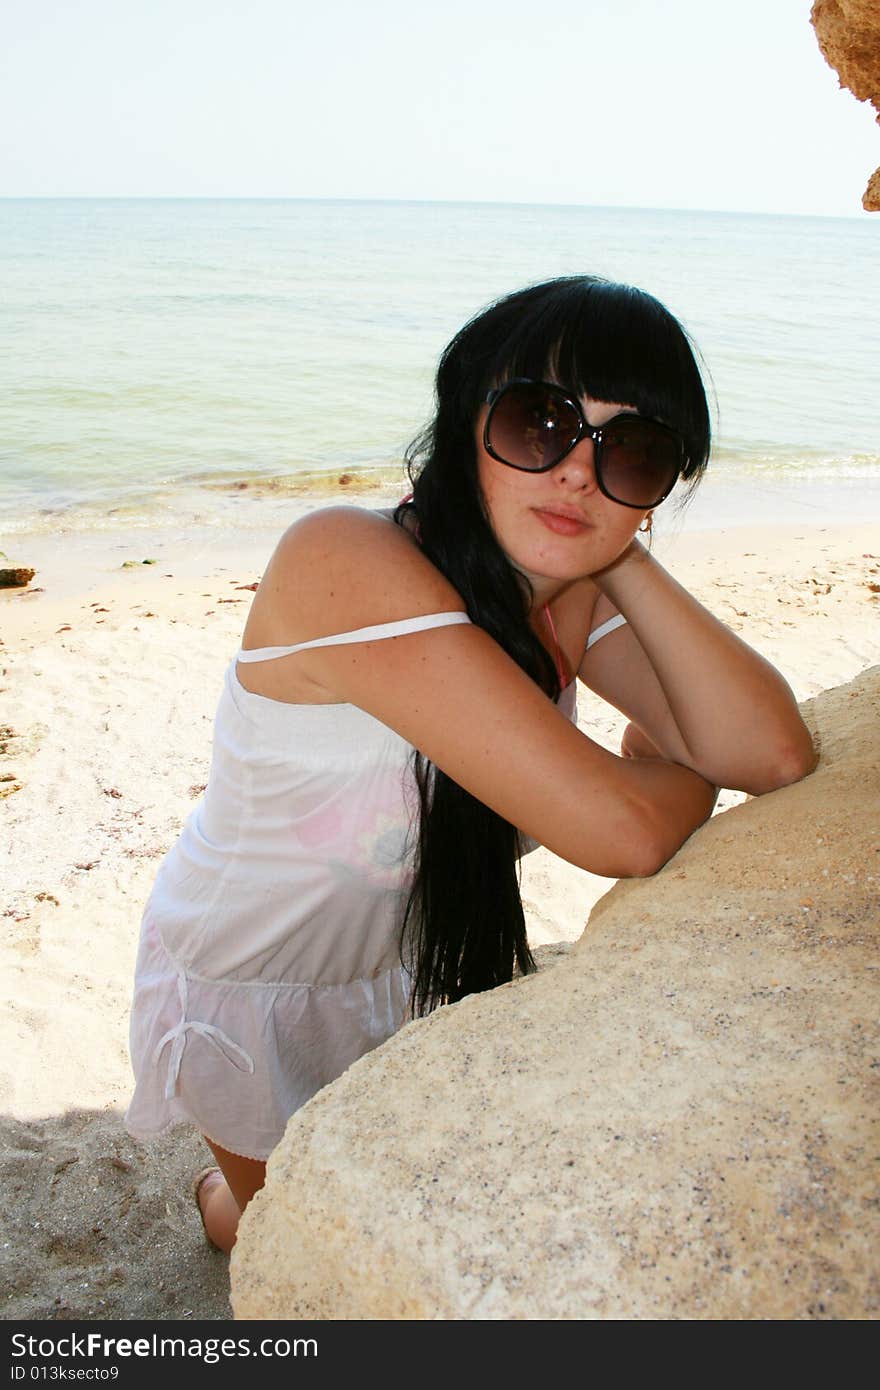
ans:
x=556 y=526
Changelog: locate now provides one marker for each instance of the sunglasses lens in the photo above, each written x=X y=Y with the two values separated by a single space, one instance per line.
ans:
x=530 y=426
x=640 y=461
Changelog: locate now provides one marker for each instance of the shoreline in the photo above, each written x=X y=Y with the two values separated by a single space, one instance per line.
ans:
x=240 y=533
x=728 y=495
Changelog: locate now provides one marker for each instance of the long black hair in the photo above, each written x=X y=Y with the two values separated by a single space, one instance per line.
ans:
x=463 y=927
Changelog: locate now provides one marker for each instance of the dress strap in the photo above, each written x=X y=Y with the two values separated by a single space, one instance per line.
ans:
x=610 y=625
x=361 y=634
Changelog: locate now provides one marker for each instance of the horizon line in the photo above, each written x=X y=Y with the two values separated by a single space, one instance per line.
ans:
x=447 y=202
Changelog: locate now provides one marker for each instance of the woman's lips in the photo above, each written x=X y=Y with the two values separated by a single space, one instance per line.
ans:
x=561 y=522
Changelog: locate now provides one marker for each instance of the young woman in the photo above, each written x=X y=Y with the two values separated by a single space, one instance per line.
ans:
x=401 y=715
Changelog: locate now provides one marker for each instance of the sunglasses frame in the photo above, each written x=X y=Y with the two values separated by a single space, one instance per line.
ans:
x=585 y=431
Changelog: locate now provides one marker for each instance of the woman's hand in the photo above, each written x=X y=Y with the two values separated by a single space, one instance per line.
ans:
x=636 y=744
x=703 y=697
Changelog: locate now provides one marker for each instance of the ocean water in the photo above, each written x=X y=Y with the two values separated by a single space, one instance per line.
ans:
x=161 y=359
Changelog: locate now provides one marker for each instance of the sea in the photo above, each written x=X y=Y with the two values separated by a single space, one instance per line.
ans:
x=171 y=361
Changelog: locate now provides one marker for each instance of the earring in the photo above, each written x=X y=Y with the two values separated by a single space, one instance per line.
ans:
x=647 y=525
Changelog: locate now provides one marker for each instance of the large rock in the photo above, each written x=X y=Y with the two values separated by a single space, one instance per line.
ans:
x=678 y=1118
x=849 y=37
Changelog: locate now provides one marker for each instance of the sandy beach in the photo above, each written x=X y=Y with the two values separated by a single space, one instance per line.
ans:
x=110 y=667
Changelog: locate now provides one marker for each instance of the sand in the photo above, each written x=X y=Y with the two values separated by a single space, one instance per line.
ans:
x=109 y=673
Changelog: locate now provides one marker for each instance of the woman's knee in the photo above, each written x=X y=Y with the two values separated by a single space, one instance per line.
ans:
x=245 y=1176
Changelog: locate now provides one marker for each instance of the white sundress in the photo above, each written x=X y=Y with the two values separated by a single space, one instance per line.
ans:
x=269 y=953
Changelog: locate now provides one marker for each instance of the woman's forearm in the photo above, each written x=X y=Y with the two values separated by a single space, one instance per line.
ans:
x=737 y=718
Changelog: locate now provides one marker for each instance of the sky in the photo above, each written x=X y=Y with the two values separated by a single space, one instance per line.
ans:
x=675 y=103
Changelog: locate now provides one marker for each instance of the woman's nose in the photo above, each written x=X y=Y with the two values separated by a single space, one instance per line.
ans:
x=578 y=469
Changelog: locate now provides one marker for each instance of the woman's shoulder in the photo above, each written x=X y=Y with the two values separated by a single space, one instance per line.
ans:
x=344 y=567
x=362 y=551
x=338 y=529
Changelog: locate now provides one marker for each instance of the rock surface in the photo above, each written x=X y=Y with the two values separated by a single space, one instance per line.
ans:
x=16 y=578
x=676 y=1119
x=848 y=32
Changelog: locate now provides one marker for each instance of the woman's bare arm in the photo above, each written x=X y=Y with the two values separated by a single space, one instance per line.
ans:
x=704 y=698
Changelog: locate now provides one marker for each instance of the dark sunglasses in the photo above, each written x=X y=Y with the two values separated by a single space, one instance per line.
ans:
x=533 y=425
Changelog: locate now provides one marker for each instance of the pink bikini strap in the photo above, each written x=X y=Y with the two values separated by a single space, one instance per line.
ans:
x=560 y=665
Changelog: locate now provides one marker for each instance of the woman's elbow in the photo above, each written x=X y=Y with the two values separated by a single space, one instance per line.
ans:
x=656 y=817
x=635 y=853
x=791 y=761
x=649 y=844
